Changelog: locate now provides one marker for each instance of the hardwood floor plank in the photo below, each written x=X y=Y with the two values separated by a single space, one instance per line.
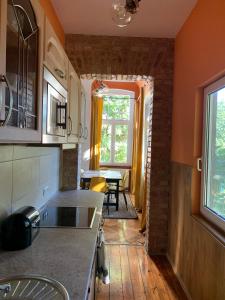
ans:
x=116 y=286
x=135 y=273
x=126 y=277
x=171 y=283
x=123 y=232
x=149 y=279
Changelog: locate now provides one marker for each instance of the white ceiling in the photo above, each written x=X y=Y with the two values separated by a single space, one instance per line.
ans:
x=156 y=18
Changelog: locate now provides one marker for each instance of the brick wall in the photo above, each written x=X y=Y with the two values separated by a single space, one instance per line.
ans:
x=139 y=56
x=69 y=169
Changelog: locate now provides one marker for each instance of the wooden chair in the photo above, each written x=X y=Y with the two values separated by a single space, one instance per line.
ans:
x=122 y=187
x=98 y=184
x=84 y=185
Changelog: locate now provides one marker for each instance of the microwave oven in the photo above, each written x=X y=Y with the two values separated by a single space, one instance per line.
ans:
x=54 y=110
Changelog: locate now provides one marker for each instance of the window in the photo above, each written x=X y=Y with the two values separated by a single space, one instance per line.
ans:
x=117 y=129
x=213 y=192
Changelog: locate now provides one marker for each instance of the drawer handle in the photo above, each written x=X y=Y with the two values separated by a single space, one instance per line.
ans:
x=60 y=73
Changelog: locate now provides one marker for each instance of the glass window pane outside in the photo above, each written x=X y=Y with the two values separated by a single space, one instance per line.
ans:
x=215 y=181
x=121 y=140
x=116 y=108
x=105 y=155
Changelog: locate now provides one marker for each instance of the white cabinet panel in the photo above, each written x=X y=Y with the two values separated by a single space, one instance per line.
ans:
x=73 y=106
x=83 y=116
x=55 y=57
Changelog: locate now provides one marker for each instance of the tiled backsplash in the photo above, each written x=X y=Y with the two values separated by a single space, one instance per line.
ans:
x=28 y=176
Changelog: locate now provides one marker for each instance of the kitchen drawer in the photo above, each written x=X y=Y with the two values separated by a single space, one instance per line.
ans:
x=55 y=58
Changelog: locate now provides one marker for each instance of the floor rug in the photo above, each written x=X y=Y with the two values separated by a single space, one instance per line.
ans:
x=123 y=212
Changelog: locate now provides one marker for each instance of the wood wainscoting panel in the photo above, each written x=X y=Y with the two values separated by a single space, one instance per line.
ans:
x=197 y=257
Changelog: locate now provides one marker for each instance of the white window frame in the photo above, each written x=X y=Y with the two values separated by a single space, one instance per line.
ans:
x=206 y=212
x=113 y=123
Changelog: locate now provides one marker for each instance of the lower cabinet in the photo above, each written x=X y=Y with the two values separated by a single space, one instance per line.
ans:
x=91 y=285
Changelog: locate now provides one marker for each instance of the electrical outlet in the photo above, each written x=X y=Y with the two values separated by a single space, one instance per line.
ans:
x=44 y=190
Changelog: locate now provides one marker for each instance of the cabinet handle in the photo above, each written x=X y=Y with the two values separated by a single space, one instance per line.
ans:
x=81 y=131
x=5 y=122
x=70 y=126
x=61 y=115
x=85 y=132
x=60 y=73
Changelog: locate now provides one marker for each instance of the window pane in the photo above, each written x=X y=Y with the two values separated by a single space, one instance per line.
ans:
x=105 y=155
x=116 y=107
x=121 y=138
x=215 y=199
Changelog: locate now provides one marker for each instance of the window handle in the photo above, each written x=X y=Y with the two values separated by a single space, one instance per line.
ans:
x=199 y=164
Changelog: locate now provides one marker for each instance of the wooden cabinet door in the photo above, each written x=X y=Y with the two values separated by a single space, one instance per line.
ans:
x=55 y=58
x=20 y=92
x=73 y=106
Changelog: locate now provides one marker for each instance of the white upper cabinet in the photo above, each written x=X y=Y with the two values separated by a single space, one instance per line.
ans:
x=83 y=131
x=73 y=106
x=55 y=58
x=21 y=40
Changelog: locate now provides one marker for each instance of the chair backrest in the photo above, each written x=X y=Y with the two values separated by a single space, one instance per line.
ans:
x=124 y=179
x=98 y=184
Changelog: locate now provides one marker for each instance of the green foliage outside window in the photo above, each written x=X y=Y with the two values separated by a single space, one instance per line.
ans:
x=115 y=109
x=121 y=137
x=106 y=143
x=217 y=197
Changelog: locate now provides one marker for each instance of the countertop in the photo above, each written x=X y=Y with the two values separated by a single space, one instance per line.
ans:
x=64 y=254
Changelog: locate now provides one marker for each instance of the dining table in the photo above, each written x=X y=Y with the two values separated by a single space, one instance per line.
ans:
x=111 y=176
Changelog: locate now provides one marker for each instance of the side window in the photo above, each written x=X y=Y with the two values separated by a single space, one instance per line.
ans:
x=117 y=129
x=213 y=188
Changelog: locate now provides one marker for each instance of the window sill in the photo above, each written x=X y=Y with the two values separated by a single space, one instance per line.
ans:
x=216 y=233
x=115 y=166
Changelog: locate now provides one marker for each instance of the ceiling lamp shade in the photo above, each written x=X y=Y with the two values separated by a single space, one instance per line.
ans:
x=120 y=16
x=123 y=11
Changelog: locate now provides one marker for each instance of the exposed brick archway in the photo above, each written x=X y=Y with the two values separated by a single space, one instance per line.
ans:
x=144 y=57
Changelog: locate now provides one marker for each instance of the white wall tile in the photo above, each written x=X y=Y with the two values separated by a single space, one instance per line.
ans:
x=25 y=174
x=49 y=174
x=5 y=189
x=6 y=153
x=21 y=151
x=25 y=177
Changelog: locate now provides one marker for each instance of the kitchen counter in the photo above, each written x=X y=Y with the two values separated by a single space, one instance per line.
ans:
x=64 y=254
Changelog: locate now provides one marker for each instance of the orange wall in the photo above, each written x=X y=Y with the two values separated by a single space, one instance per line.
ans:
x=199 y=60
x=52 y=16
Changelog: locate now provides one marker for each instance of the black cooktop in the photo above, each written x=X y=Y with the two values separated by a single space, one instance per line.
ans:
x=61 y=216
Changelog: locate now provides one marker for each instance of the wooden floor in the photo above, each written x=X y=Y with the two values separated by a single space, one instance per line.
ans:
x=134 y=275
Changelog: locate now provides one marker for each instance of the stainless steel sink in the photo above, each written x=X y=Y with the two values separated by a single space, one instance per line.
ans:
x=32 y=287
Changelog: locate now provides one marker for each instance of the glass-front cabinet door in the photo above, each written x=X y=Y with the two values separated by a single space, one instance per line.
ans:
x=19 y=71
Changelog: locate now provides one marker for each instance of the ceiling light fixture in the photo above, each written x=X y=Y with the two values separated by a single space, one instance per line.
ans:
x=101 y=89
x=123 y=11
